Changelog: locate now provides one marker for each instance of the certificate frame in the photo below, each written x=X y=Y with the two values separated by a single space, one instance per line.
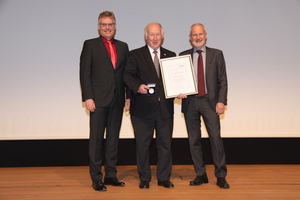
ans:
x=178 y=76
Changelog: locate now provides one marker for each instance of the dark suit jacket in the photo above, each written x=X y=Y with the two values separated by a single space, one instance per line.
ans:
x=216 y=78
x=139 y=70
x=98 y=78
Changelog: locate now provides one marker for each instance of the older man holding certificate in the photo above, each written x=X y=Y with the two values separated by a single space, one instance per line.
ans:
x=149 y=109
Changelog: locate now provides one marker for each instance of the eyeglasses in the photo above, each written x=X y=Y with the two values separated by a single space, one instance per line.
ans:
x=154 y=34
x=109 y=25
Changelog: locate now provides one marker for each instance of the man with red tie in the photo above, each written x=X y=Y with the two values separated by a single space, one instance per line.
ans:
x=209 y=103
x=102 y=63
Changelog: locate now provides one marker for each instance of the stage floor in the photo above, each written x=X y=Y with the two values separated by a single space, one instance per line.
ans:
x=258 y=182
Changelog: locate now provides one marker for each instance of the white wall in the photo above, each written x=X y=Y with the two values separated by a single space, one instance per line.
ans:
x=41 y=41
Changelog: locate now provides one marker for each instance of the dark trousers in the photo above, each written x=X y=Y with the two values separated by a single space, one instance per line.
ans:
x=200 y=106
x=143 y=132
x=107 y=119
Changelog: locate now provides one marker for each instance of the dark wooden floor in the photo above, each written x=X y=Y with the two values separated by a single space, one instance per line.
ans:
x=256 y=182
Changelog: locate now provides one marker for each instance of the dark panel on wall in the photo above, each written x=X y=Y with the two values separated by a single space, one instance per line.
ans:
x=25 y=153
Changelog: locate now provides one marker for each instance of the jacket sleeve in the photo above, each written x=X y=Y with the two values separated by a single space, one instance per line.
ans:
x=85 y=72
x=130 y=78
x=222 y=79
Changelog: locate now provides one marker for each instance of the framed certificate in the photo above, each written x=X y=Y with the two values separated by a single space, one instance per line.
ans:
x=178 y=76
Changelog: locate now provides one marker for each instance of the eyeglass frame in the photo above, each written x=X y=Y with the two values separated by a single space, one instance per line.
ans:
x=105 y=24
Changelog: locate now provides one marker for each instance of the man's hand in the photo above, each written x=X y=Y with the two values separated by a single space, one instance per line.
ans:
x=220 y=108
x=143 y=89
x=127 y=105
x=182 y=96
x=90 y=105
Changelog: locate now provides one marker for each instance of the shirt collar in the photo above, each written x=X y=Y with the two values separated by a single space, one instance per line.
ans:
x=151 y=50
x=105 y=40
x=203 y=49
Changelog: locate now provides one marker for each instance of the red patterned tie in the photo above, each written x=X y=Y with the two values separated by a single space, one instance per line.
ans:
x=201 y=86
x=113 y=56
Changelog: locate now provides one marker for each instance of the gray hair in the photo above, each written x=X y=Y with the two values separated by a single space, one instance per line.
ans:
x=195 y=25
x=146 y=28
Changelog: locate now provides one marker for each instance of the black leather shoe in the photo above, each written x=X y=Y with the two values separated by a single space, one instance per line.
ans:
x=144 y=185
x=222 y=183
x=113 y=181
x=166 y=184
x=200 y=180
x=99 y=186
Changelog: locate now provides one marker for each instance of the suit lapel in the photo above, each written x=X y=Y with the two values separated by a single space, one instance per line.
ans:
x=148 y=59
x=208 y=60
x=102 y=47
x=118 y=49
x=163 y=53
x=104 y=51
x=191 y=53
